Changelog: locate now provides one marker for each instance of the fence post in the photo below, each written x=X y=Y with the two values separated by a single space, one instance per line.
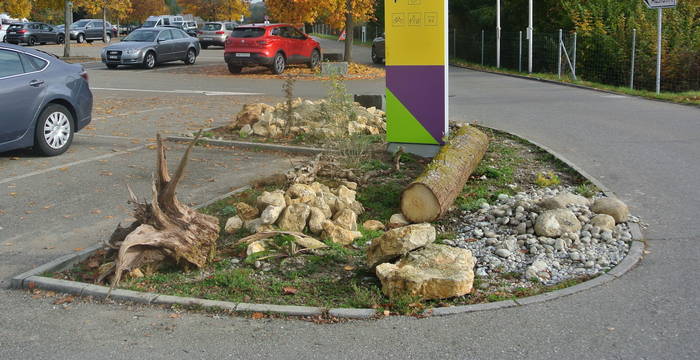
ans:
x=482 y=47
x=454 y=43
x=559 y=55
x=520 y=51
x=634 y=55
x=658 y=51
x=574 y=59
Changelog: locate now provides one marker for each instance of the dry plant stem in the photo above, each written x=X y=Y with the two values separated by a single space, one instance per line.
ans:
x=165 y=229
x=433 y=193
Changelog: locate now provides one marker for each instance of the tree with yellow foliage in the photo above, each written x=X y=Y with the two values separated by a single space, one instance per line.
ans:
x=16 y=8
x=215 y=9
x=141 y=9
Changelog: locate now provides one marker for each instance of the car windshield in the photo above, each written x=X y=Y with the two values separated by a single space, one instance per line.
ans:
x=149 y=23
x=80 y=24
x=247 y=32
x=212 y=27
x=142 y=36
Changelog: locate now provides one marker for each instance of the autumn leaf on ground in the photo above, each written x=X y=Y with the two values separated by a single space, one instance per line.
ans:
x=349 y=268
x=288 y=290
x=64 y=300
x=78 y=249
x=175 y=316
x=63 y=169
x=257 y=315
x=96 y=211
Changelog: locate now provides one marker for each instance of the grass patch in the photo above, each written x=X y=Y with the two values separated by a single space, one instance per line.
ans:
x=688 y=98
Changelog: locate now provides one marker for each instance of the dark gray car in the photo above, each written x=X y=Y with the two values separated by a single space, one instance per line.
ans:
x=379 y=49
x=32 y=33
x=88 y=30
x=44 y=100
x=148 y=47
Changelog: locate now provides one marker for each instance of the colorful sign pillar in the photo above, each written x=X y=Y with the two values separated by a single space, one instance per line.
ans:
x=416 y=71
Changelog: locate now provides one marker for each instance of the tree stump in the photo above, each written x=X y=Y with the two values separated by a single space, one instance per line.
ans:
x=432 y=194
x=165 y=229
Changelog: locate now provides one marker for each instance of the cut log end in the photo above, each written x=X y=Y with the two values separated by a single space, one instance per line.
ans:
x=419 y=204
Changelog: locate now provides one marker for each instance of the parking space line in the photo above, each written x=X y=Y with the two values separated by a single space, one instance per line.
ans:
x=198 y=92
x=75 y=163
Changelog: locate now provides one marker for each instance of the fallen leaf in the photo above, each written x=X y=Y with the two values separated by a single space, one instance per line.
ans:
x=14 y=158
x=63 y=169
x=257 y=315
x=51 y=293
x=387 y=312
x=152 y=147
x=175 y=316
x=31 y=285
x=288 y=290
x=96 y=211
x=349 y=268
x=64 y=300
x=93 y=264
x=78 y=249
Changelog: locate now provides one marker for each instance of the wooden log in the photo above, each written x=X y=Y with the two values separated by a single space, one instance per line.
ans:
x=432 y=194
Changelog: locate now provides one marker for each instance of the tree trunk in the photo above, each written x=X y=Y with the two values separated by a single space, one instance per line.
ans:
x=104 y=23
x=432 y=194
x=164 y=229
x=349 y=33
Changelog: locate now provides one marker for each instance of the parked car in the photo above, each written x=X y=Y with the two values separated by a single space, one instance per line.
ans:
x=32 y=33
x=162 y=20
x=215 y=33
x=273 y=46
x=88 y=30
x=44 y=100
x=192 y=33
x=379 y=49
x=152 y=46
x=4 y=24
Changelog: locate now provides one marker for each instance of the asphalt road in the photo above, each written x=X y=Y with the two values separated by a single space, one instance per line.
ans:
x=643 y=150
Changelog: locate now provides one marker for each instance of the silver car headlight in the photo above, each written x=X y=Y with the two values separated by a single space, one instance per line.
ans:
x=131 y=51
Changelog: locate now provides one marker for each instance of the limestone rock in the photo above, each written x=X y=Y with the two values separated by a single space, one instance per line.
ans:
x=538 y=270
x=613 y=207
x=245 y=131
x=563 y=200
x=251 y=114
x=399 y=241
x=246 y=212
x=233 y=224
x=255 y=247
x=331 y=200
x=319 y=188
x=321 y=204
x=260 y=129
x=397 y=220
x=346 y=195
x=339 y=235
x=373 y=225
x=275 y=198
x=316 y=219
x=604 y=222
x=434 y=272
x=309 y=243
x=346 y=219
x=554 y=223
x=294 y=217
x=300 y=193
x=271 y=214
x=350 y=185
x=253 y=225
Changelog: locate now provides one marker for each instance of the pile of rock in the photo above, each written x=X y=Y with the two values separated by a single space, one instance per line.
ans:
x=308 y=117
x=424 y=269
x=548 y=234
x=315 y=208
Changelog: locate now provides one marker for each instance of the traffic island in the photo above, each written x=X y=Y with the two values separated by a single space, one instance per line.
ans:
x=318 y=242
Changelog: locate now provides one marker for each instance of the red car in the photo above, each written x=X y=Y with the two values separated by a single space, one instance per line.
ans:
x=274 y=46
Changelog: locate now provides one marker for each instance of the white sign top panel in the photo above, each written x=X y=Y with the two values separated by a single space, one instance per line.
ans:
x=660 y=4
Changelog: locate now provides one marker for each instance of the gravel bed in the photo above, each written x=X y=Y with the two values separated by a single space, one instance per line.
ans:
x=503 y=239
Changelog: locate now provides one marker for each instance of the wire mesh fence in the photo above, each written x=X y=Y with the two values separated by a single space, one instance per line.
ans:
x=614 y=59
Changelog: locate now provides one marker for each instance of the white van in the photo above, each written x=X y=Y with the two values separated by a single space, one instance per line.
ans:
x=163 y=20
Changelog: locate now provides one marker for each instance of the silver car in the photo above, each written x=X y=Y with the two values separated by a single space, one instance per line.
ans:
x=43 y=100
x=148 y=47
x=215 y=33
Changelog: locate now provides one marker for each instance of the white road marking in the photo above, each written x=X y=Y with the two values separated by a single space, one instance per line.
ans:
x=131 y=113
x=96 y=158
x=200 y=92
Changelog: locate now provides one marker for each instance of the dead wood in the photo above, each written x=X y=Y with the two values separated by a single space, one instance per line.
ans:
x=165 y=229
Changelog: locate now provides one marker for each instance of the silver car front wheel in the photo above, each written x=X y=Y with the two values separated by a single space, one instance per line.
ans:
x=54 y=130
x=149 y=60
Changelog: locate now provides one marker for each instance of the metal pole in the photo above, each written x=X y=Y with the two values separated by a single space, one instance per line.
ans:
x=66 y=33
x=530 y=35
x=520 y=51
x=498 y=34
x=559 y=55
x=658 y=53
x=574 y=55
x=454 y=43
x=482 y=47
x=634 y=55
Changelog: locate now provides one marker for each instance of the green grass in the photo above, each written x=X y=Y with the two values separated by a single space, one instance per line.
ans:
x=689 y=98
x=380 y=200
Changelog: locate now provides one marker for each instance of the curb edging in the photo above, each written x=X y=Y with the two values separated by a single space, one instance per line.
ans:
x=32 y=279
x=253 y=145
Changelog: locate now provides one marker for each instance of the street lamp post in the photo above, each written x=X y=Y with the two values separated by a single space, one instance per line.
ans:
x=498 y=34
x=66 y=30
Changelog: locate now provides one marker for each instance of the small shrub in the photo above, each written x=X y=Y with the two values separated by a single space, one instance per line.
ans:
x=547 y=179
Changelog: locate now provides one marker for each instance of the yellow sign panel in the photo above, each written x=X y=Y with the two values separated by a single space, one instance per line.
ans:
x=414 y=22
